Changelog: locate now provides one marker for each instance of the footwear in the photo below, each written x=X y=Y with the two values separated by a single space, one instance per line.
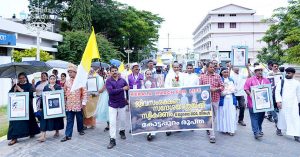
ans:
x=270 y=119
x=41 y=140
x=257 y=136
x=92 y=127
x=207 y=132
x=168 y=133
x=122 y=134
x=112 y=143
x=297 y=138
x=261 y=133
x=149 y=137
x=278 y=132
x=212 y=140
x=84 y=128
x=66 y=138
x=231 y=134
x=56 y=135
x=242 y=123
x=129 y=131
x=81 y=133
x=106 y=129
x=12 y=142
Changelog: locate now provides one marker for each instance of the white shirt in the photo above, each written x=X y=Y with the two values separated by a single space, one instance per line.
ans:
x=190 y=80
x=169 y=79
x=239 y=82
x=288 y=117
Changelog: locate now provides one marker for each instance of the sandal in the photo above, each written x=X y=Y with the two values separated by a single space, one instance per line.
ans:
x=41 y=140
x=12 y=142
x=56 y=135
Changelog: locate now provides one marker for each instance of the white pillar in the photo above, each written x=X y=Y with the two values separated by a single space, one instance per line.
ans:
x=38 y=45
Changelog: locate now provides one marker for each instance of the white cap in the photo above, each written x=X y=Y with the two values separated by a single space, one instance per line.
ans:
x=134 y=64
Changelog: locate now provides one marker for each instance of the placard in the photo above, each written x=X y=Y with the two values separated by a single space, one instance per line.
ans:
x=53 y=104
x=170 y=109
x=92 y=84
x=239 y=56
x=18 y=106
x=262 y=98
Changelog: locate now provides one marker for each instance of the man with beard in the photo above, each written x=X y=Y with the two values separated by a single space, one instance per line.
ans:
x=215 y=81
x=116 y=86
x=288 y=98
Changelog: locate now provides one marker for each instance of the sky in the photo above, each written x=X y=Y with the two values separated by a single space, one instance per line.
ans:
x=181 y=17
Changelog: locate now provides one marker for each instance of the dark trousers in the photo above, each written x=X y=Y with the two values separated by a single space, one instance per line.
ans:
x=242 y=106
x=256 y=121
x=70 y=122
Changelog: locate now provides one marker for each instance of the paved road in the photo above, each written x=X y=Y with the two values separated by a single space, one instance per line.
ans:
x=178 y=144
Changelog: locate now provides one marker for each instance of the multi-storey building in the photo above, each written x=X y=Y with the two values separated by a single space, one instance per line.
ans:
x=228 y=26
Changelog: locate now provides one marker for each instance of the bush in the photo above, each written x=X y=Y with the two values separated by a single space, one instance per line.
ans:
x=44 y=56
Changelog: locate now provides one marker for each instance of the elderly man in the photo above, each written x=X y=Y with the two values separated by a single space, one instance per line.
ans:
x=288 y=98
x=215 y=81
x=256 y=118
x=174 y=78
x=75 y=101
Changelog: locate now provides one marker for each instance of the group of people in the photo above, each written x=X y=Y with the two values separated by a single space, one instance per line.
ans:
x=229 y=87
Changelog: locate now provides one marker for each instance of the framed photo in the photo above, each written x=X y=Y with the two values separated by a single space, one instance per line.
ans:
x=92 y=84
x=53 y=104
x=239 y=56
x=262 y=98
x=272 y=81
x=18 y=106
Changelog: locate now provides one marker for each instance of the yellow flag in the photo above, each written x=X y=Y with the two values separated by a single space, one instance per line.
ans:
x=90 y=52
x=121 y=67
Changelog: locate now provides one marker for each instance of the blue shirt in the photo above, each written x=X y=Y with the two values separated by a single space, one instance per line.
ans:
x=116 y=92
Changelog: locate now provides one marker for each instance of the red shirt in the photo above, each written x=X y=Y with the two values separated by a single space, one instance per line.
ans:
x=215 y=81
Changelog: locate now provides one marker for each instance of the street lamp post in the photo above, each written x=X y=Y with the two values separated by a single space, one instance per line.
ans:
x=38 y=21
x=129 y=51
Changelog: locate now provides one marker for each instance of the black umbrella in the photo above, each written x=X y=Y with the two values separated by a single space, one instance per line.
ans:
x=11 y=70
x=98 y=64
x=41 y=66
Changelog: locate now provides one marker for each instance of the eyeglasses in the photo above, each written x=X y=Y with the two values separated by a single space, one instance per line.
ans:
x=21 y=78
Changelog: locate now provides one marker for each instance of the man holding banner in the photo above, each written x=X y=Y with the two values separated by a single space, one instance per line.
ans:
x=214 y=80
x=174 y=79
x=116 y=86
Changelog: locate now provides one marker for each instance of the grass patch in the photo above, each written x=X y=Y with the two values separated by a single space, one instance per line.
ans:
x=3 y=121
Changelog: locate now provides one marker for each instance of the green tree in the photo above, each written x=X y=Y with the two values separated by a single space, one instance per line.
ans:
x=18 y=55
x=74 y=43
x=283 y=37
x=126 y=27
x=81 y=15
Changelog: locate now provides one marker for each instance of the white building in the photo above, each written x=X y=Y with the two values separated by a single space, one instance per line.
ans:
x=15 y=35
x=228 y=26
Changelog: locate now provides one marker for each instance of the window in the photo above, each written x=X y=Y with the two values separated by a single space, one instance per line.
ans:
x=232 y=15
x=221 y=15
x=232 y=25
x=220 y=25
